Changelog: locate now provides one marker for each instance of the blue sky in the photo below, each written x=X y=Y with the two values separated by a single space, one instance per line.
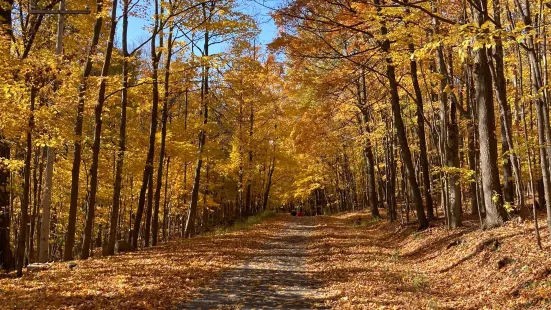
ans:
x=259 y=9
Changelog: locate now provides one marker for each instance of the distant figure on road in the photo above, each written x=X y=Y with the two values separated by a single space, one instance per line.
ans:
x=294 y=213
x=300 y=213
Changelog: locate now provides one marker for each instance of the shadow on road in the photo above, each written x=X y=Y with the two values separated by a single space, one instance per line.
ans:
x=275 y=278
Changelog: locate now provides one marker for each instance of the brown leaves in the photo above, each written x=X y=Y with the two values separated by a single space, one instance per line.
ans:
x=157 y=278
x=386 y=266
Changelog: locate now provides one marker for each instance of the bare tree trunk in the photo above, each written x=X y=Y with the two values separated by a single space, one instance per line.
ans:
x=250 y=165
x=149 y=211
x=400 y=130
x=190 y=222
x=205 y=217
x=6 y=255
x=20 y=250
x=542 y=113
x=269 y=182
x=165 y=204
x=148 y=170
x=98 y=110
x=452 y=157
x=155 y=229
x=528 y=153
x=75 y=173
x=423 y=157
x=510 y=166
x=493 y=200
x=37 y=188
x=471 y=139
x=372 y=198
x=119 y=163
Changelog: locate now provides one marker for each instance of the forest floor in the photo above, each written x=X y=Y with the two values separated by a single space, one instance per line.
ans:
x=373 y=264
x=162 y=277
x=347 y=261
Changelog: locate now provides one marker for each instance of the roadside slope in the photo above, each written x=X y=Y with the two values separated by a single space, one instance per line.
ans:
x=373 y=264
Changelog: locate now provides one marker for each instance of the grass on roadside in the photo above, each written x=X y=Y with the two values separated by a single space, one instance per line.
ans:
x=244 y=224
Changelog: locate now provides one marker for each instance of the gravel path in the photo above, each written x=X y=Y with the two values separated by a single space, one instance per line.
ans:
x=275 y=278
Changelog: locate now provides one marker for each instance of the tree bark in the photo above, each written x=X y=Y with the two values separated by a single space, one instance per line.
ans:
x=493 y=199
x=510 y=166
x=400 y=130
x=423 y=157
x=452 y=157
x=149 y=210
x=250 y=164
x=21 y=240
x=122 y=135
x=190 y=222
x=148 y=170
x=166 y=212
x=6 y=255
x=98 y=110
x=544 y=130
x=155 y=230
x=75 y=173
x=269 y=182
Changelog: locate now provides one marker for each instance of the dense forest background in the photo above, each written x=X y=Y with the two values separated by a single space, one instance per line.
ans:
x=414 y=110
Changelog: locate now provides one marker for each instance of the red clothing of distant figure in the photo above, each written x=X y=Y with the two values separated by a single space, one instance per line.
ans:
x=300 y=213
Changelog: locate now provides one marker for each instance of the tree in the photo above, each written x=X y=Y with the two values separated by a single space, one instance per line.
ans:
x=148 y=170
x=75 y=174
x=493 y=199
x=6 y=256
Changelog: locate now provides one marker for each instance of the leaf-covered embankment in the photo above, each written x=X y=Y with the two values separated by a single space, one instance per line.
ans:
x=371 y=264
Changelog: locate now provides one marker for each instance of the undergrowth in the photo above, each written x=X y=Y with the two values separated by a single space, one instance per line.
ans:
x=244 y=224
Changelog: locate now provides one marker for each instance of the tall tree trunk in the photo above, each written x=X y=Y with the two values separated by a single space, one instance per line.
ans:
x=471 y=139
x=190 y=222
x=529 y=155
x=148 y=170
x=205 y=215
x=510 y=166
x=443 y=142
x=166 y=212
x=37 y=187
x=248 y=199
x=373 y=200
x=370 y=167
x=542 y=113
x=400 y=129
x=122 y=135
x=423 y=157
x=46 y=201
x=452 y=157
x=75 y=173
x=98 y=110
x=6 y=255
x=390 y=173
x=269 y=182
x=149 y=210
x=240 y=151
x=493 y=199
x=163 y=140
x=20 y=250
x=453 y=161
